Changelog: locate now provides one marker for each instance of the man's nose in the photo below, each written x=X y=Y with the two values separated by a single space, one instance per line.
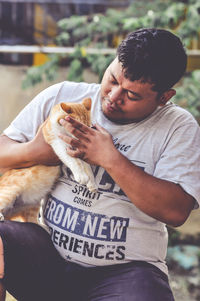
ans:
x=116 y=94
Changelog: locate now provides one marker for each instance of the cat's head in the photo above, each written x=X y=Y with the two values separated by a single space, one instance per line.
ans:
x=78 y=111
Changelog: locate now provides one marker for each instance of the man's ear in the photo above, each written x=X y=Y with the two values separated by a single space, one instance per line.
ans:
x=166 y=96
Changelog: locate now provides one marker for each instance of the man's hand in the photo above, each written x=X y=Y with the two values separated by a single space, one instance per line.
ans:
x=93 y=145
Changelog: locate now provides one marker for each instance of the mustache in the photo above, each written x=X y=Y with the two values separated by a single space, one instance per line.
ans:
x=112 y=104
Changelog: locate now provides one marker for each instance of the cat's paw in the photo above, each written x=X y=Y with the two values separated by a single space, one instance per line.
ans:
x=92 y=186
x=1 y=217
x=81 y=178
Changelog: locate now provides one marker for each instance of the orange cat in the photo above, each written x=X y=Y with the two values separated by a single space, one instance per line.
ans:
x=33 y=183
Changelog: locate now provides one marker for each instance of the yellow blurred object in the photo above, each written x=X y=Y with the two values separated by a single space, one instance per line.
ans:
x=39 y=59
x=116 y=40
x=193 y=63
x=194 y=60
x=45 y=26
x=83 y=52
x=45 y=32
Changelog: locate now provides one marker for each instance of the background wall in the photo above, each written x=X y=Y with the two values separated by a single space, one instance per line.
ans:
x=13 y=98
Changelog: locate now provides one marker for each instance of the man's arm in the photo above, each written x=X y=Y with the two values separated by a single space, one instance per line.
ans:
x=160 y=199
x=18 y=155
x=13 y=154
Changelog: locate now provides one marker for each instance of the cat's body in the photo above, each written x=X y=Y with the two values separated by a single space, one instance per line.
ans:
x=34 y=183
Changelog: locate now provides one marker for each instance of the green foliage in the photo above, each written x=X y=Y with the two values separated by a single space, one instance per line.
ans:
x=99 y=63
x=190 y=26
x=107 y=30
x=174 y=236
x=187 y=95
x=76 y=70
x=36 y=74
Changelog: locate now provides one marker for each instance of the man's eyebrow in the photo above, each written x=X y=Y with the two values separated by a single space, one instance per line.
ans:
x=113 y=76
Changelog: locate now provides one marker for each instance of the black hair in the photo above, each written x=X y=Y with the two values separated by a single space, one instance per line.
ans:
x=153 y=55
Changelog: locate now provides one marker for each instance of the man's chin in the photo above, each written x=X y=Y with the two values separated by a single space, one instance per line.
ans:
x=116 y=119
x=110 y=117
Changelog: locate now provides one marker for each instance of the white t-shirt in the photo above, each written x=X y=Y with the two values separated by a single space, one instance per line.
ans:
x=105 y=227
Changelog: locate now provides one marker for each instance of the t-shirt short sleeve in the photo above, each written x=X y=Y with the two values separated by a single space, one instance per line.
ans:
x=180 y=159
x=24 y=127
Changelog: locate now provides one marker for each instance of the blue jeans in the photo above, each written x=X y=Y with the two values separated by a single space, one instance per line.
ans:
x=34 y=271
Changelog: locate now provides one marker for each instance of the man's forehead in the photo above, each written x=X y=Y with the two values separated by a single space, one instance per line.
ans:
x=119 y=74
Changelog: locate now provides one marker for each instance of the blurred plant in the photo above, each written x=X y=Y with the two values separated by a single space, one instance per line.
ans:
x=174 y=236
x=189 y=28
x=187 y=95
x=106 y=31
x=36 y=74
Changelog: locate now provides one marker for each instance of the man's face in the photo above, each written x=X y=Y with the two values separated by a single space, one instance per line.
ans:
x=124 y=101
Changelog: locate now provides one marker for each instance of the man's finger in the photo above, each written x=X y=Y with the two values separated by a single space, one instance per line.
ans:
x=76 y=153
x=76 y=124
x=70 y=140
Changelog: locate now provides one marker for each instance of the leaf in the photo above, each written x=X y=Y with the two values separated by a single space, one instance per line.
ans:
x=63 y=39
x=75 y=71
x=33 y=77
x=187 y=95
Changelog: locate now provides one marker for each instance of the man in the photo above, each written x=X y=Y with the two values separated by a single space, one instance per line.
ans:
x=145 y=155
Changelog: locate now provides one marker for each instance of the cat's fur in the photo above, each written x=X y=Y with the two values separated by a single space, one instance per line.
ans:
x=33 y=183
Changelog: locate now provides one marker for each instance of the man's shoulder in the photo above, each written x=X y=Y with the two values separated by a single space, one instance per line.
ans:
x=68 y=85
x=173 y=112
x=71 y=91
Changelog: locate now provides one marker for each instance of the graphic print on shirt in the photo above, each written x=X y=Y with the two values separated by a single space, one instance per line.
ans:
x=105 y=183
x=80 y=233
x=89 y=234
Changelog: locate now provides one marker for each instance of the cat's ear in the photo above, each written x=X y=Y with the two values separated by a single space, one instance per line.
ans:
x=66 y=107
x=87 y=102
